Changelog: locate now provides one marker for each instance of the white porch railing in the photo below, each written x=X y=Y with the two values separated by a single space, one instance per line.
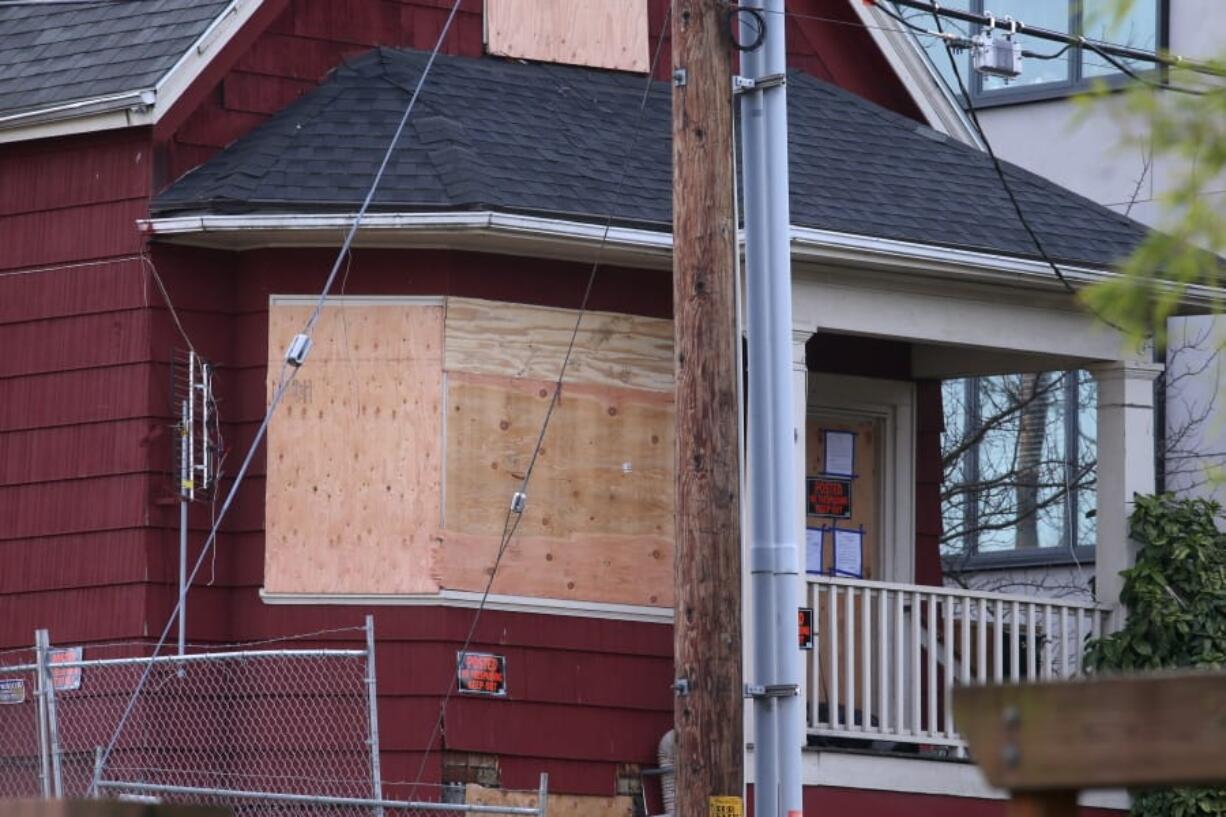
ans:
x=887 y=656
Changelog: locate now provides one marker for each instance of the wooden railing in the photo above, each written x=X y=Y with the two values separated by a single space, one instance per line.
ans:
x=887 y=656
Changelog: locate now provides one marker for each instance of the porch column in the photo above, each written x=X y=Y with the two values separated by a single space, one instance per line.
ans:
x=1125 y=466
x=800 y=414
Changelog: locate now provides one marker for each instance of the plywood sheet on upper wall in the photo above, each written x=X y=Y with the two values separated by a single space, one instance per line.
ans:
x=513 y=340
x=354 y=473
x=596 y=33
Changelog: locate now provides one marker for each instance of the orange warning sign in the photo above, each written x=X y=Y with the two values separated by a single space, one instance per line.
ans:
x=805 y=630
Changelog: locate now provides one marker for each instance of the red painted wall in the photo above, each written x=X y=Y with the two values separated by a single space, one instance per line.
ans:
x=76 y=383
x=88 y=518
x=289 y=47
x=836 y=801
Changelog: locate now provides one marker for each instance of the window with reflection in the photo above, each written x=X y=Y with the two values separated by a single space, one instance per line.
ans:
x=1019 y=455
x=1048 y=69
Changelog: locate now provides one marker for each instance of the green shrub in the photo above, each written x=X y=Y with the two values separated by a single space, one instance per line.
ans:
x=1176 y=600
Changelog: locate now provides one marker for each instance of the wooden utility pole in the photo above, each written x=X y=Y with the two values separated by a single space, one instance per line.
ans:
x=707 y=640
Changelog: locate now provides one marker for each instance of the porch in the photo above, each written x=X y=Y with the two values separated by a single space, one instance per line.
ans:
x=890 y=641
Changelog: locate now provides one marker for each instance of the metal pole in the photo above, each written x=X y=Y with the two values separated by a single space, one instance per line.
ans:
x=97 y=771
x=376 y=772
x=761 y=562
x=542 y=800
x=774 y=554
x=40 y=692
x=315 y=799
x=53 y=728
x=185 y=481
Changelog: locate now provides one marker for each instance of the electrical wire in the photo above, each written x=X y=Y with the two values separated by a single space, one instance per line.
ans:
x=512 y=519
x=1000 y=171
x=119 y=259
x=1036 y=55
x=1125 y=69
x=284 y=379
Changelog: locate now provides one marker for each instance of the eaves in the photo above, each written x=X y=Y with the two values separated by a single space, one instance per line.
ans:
x=542 y=237
x=139 y=106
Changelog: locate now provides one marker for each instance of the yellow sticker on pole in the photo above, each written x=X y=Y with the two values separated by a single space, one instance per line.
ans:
x=729 y=806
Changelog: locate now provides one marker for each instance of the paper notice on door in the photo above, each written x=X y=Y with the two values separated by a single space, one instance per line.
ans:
x=840 y=453
x=849 y=553
x=813 y=550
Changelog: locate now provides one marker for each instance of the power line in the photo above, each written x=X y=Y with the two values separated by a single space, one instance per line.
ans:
x=514 y=512
x=1004 y=181
x=1000 y=171
x=284 y=379
x=1018 y=27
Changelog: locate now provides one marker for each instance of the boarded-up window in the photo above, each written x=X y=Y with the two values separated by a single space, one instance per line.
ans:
x=354 y=469
x=596 y=33
x=393 y=461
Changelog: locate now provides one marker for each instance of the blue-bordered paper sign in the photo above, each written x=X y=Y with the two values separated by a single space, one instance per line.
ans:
x=840 y=458
x=814 y=557
x=848 y=553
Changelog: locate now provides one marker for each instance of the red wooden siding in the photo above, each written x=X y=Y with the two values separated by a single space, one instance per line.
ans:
x=289 y=47
x=929 y=423
x=75 y=385
x=88 y=522
x=830 y=800
x=286 y=53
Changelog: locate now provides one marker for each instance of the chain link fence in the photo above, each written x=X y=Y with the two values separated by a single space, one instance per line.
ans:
x=21 y=760
x=266 y=730
x=274 y=720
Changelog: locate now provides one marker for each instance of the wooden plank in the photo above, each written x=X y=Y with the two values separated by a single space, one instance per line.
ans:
x=559 y=805
x=597 y=33
x=489 y=337
x=1158 y=729
x=598 y=523
x=354 y=474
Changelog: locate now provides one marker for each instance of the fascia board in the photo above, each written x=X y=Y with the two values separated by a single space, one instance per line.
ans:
x=179 y=78
x=143 y=106
x=917 y=75
x=966 y=265
x=125 y=110
x=808 y=245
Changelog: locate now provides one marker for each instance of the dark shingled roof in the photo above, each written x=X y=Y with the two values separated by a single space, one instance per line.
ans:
x=62 y=52
x=550 y=140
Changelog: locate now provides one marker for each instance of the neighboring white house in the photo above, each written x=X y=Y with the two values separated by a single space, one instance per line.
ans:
x=1035 y=122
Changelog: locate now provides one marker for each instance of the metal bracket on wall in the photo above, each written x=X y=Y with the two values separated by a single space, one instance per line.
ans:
x=743 y=85
x=772 y=690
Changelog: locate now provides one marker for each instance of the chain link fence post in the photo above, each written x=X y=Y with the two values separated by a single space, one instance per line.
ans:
x=543 y=797
x=47 y=681
x=40 y=693
x=376 y=772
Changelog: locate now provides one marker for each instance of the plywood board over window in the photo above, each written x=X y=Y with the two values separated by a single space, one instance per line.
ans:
x=597 y=33
x=394 y=457
x=599 y=520
x=354 y=454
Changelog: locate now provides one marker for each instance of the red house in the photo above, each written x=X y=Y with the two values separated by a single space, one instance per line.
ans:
x=178 y=173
